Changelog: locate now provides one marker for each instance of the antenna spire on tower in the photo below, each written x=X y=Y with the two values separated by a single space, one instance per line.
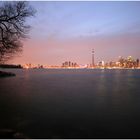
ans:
x=92 y=57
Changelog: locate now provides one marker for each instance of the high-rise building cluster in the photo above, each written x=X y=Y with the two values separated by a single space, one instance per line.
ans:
x=69 y=64
x=128 y=62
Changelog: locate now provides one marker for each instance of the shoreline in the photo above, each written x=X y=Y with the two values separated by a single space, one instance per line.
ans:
x=6 y=74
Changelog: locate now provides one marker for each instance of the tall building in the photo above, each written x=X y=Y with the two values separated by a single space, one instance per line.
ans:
x=137 y=62
x=92 y=57
x=69 y=64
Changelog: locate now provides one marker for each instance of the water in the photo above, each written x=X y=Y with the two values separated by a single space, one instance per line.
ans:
x=77 y=103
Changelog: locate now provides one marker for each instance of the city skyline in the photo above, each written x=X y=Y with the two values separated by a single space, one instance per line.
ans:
x=70 y=30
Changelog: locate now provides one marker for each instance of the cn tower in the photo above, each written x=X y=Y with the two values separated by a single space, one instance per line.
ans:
x=92 y=57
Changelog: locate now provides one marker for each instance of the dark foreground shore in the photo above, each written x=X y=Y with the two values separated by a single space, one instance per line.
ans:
x=11 y=134
x=6 y=74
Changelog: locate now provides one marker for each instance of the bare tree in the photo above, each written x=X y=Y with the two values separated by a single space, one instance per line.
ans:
x=13 y=27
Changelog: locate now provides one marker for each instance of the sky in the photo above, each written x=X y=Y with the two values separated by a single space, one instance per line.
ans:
x=69 y=30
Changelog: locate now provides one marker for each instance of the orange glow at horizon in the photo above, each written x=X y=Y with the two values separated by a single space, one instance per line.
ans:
x=56 y=51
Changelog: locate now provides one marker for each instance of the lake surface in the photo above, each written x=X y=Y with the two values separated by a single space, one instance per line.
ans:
x=72 y=103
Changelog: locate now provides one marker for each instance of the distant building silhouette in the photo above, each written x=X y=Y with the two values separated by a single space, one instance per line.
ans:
x=137 y=62
x=69 y=64
x=93 y=58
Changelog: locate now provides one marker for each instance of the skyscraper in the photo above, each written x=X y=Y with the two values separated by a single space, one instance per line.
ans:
x=92 y=57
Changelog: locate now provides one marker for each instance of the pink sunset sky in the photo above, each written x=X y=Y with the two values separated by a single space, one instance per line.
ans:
x=68 y=31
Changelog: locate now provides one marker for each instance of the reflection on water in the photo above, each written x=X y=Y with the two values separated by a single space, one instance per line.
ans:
x=71 y=103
